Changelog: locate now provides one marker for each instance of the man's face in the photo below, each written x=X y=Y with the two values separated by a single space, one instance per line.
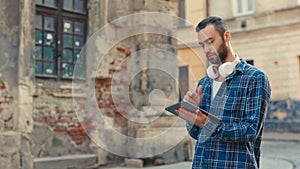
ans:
x=212 y=44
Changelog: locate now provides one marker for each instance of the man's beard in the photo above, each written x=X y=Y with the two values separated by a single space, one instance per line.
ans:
x=222 y=54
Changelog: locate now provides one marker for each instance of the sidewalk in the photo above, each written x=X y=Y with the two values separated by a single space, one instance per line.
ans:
x=266 y=163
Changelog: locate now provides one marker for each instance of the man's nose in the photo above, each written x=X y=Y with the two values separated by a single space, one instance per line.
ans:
x=207 y=48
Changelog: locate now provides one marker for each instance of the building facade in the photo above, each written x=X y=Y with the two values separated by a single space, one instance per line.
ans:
x=265 y=33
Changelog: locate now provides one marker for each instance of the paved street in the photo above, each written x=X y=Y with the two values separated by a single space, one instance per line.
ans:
x=287 y=152
x=279 y=151
x=282 y=147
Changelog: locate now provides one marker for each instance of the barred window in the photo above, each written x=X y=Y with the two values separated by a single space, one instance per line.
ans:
x=60 y=33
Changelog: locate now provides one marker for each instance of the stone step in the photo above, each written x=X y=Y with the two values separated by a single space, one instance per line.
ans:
x=79 y=161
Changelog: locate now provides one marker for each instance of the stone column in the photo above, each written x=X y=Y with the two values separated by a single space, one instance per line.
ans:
x=16 y=50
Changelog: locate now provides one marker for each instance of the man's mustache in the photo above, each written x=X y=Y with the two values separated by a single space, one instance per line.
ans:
x=212 y=53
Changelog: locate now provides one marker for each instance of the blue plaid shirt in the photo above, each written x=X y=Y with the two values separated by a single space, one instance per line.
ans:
x=241 y=103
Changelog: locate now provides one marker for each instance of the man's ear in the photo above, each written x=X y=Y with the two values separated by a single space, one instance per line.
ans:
x=227 y=36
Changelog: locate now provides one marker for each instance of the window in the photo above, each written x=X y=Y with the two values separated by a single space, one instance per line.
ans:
x=299 y=76
x=60 y=32
x=298 y=2
x=183 y=81
x=243 y=7
x=251 y=62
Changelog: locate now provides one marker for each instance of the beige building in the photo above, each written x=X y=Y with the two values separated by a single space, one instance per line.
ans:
x=265 y=32
x=189 y=53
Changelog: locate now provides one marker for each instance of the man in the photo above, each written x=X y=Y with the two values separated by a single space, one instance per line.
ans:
x=237 y=93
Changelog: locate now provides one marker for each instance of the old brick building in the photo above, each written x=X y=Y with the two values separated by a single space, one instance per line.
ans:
x=42 y=113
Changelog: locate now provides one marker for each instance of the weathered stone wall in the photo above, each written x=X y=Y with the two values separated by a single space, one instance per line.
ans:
x=135 y=56
x=54 y=109
x=15 y=84
x=9 y=43
x=57 y=130
x=53 y=101
x=48 y=143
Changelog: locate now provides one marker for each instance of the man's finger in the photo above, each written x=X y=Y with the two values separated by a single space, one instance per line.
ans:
x=189 y=93
x=202 y=118
x=189 y=116
x=188 y=97
x=200 y=114
x=199 y=90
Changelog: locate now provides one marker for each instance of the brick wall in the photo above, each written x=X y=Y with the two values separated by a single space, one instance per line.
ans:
x=54 y=107
x=57 y=113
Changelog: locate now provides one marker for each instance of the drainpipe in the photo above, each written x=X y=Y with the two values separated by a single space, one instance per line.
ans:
x=207 y=7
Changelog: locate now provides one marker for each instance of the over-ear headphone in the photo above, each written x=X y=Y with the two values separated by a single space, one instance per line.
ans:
x=224 y=70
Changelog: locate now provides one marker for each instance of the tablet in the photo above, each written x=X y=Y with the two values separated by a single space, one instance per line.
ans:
x=189 y=107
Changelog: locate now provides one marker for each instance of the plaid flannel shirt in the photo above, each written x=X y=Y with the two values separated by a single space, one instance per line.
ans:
x=241 y=104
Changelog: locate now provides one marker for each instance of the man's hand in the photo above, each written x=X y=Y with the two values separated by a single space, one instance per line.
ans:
x=194 y=98
x=197 y=117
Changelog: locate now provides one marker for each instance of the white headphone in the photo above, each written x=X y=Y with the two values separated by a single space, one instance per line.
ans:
x=224 y=70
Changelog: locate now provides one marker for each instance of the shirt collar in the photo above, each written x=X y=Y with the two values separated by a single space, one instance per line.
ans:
x=239 y=68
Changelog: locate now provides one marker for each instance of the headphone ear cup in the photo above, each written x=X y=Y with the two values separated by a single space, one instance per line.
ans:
x=226 y=69
x=212 y=72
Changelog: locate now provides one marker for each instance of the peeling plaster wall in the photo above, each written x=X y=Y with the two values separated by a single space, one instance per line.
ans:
x=9 y=46
x=53 y=109
x=15 y=84
x=135 y=56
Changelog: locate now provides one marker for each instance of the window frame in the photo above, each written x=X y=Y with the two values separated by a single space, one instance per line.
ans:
x=250 y=61
x=245 y=11
x=183 y=75
x=298 y=75
x=60 y=15
x=42 y=45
